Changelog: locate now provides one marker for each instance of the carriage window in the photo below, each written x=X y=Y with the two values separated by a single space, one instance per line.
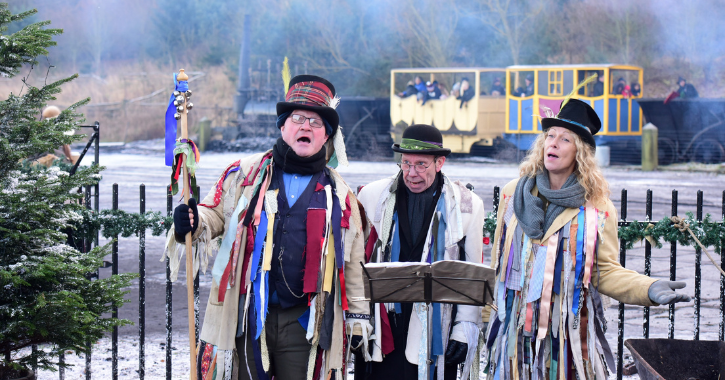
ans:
x=555 y=82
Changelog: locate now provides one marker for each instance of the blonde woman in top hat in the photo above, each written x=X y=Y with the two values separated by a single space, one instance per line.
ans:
x=555 y=251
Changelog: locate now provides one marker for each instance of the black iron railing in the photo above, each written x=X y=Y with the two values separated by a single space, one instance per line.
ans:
x=496 y=193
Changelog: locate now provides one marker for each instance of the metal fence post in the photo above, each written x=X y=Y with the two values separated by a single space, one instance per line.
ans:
x=647 y=261
x=722 y=278
x=496 y=197
x=196 y=286
x=673 y=270
x=169 y=203
x=698 y=271
x=61 y=369
x=142 y=287
x=622 y=259
x=114 y=313
x=87 y=248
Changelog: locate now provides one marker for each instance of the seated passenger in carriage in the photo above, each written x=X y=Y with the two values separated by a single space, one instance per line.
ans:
x=466 y=92
x=686 y=90
x=444 y=90
x=431 y=91
x=410 y=90
x=636 y=89
x=528 y=90
x=420 y=86
x=496 y=88
x=619 y=87
x=598 y=89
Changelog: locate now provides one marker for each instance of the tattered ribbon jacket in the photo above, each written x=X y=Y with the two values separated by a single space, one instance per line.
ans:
x=457 y=223
x=548 y=320
x=240 y=272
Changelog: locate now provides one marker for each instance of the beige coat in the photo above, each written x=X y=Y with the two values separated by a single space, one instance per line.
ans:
x=612 y=279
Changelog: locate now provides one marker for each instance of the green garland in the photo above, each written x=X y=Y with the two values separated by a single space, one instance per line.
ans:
x=112 y=223
x=489 y=225
x=709 y=232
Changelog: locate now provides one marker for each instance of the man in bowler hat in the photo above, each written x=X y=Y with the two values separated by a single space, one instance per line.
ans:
x=408 y=211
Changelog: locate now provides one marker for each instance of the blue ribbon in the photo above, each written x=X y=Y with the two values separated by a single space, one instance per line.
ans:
x=437 y=341
x=442 y=225
x=170 y=140
x=579 y=260
x=258 y=276
x=336 y=225
x=395 y=253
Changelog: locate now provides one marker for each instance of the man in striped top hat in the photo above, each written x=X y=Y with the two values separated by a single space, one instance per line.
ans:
x=286 y=298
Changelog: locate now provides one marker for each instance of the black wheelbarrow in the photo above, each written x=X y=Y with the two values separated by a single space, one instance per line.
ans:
x=672 y=359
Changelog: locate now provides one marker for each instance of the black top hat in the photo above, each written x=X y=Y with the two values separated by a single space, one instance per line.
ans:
x=422 y=139
x=311 y=93
x=578 y=117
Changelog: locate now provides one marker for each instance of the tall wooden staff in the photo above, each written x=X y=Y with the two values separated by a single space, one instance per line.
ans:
x=182 y=109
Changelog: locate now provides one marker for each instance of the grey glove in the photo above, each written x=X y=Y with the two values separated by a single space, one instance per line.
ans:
x=663 y=292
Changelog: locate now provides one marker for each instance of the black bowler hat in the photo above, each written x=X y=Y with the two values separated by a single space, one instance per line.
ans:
x=422 y=139
x=311 y=93
x=578 y=117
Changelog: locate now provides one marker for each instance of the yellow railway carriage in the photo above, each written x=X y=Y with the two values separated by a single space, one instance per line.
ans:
x=463 y=123
x=510 y=119
x=621 y=116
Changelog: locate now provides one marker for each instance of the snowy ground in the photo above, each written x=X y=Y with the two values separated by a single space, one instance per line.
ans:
x=143 y=163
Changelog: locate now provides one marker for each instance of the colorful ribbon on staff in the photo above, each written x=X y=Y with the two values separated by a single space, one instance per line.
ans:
x=183 y=148
x=170 y=121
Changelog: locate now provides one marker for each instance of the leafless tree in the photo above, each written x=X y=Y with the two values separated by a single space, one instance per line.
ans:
x=511 y=20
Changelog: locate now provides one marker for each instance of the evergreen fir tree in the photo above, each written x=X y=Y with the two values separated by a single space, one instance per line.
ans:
x=46 y=297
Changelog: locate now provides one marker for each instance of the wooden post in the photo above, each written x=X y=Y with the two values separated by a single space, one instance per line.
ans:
x=189 y=259
x=649 y=148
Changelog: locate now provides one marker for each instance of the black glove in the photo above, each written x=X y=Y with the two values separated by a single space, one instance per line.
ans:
x=356 y=343
x=182 y=224
x=456 y=352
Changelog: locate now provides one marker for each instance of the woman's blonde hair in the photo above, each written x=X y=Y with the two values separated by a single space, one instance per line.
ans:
x=585 y=167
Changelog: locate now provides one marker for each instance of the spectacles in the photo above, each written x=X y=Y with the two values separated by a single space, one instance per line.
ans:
x=419 y=167
x=314 y=123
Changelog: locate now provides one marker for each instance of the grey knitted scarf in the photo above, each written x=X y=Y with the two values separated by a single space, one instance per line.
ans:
x=529 y=208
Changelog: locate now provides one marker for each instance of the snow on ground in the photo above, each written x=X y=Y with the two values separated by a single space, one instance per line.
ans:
x=142 y=162
x=128 y=359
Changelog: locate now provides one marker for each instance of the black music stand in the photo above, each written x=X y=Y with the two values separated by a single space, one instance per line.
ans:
x=446 y=281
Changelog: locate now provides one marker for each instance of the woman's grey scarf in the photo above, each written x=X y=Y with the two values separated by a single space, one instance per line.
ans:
x=529 y=208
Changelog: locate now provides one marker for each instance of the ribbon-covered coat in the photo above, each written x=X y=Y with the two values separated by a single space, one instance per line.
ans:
x=548 y=321
x=462 y=213
x=221 y=215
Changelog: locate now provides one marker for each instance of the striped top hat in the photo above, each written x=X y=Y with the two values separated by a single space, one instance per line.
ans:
x=311 y=93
